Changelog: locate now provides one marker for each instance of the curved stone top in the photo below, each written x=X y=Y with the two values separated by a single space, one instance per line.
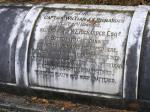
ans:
x=81 y=49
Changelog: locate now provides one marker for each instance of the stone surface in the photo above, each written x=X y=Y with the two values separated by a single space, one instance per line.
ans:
x=79 y=50
x=89 y=49
x=144 y=87
x=10 y=21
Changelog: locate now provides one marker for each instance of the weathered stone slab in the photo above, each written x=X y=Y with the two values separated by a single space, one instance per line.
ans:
x=89 y=50
x=79 y=50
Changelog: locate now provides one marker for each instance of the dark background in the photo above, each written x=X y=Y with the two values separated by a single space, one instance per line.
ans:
x=106 y=2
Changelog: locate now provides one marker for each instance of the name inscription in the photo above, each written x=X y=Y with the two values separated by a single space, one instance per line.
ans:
x=79 y=50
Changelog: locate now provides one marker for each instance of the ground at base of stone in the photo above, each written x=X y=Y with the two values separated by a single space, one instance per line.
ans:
x=14 y=103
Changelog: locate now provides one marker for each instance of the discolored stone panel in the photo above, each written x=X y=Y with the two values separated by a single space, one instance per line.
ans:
x=79 y=50
x=10 y=21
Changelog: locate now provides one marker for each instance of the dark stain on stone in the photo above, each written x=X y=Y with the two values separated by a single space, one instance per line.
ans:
x=131 y=78
x=144 y=74
x=132 y=64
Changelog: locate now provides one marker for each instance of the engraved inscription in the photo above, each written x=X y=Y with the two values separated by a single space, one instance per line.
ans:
x=79 y=50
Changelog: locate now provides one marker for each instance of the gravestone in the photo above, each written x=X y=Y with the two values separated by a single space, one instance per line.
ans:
x=80 y=49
